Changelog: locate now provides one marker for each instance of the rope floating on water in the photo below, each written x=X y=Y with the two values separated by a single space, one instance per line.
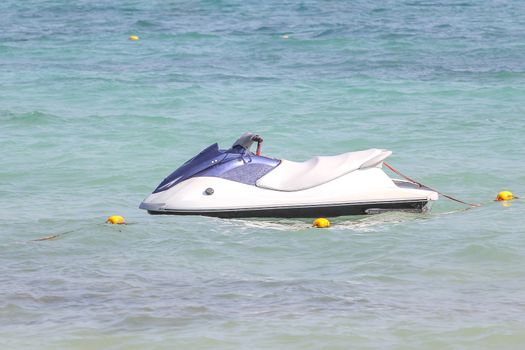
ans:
x=429 y=188
x=52 y=237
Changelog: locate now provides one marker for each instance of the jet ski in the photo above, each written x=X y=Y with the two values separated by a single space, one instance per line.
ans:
x=236 y=183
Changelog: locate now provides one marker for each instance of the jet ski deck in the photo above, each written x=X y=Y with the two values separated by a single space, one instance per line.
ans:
x=294 y=176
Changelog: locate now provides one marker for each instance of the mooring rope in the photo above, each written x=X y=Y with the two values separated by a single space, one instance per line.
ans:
x=429 y=188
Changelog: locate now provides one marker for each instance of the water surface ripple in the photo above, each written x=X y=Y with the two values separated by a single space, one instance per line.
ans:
x=91 y=122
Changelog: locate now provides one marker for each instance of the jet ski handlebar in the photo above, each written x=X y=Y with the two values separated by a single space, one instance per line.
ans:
x=247 y=139
x=259 y=141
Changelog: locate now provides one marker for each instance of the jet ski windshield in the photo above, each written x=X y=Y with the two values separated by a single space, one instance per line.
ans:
x=207 y=158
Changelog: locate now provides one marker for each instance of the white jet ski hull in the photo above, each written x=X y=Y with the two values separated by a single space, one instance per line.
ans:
x=364 y=191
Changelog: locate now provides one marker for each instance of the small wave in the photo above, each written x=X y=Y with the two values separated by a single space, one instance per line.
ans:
x=358 y=223
x=324 y=33
x=438 y=4
x=370 y=223
x=145 y=24
x=28 y=118
x=265 y=29
x=443 y=26
x=273 y=224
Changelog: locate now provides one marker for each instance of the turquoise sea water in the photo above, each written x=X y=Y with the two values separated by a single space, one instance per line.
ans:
x=91 y=122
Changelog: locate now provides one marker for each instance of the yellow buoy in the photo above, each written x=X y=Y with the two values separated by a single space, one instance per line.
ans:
x=134 y=37
x=321 y=223
x=116 y=220
x=504 y=196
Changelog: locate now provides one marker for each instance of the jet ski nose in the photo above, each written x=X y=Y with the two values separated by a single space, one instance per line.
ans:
x=152 y=206
x=152 y=203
